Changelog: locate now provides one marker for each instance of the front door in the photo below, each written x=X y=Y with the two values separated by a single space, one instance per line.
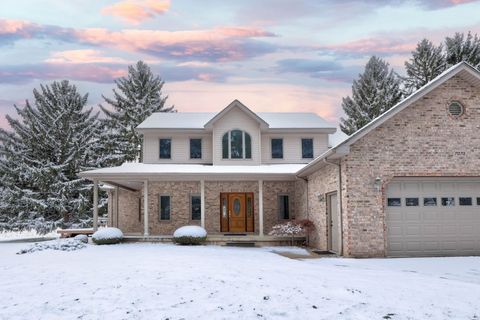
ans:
x=236 y=212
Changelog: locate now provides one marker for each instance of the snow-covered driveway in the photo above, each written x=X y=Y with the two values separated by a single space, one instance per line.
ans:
x=161 y=281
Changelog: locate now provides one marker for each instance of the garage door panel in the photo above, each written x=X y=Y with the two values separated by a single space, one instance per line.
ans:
x=434 y=230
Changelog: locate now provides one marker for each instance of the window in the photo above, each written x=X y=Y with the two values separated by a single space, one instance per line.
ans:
x=448 y=201
x=165 y=148
x=277 y=148
x=478 y=201
x=195 y=148
x=196 y=207
x=307 y=148
x=164 y=206
x=236 y=144
x=465 y=201
x=429 y=202
x=283 y=207
x=411 y=202
x=394 y=202
x=456 y=109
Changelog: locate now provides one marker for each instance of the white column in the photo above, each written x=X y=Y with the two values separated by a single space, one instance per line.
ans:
x=95 y=205
x=202 y=203
x=145 y=208
x=260 y=206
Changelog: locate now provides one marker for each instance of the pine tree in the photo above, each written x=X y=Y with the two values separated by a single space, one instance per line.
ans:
x=376 y=91
x=460 y=48
x=137 y=96
x=49 y=144
x=427 y=62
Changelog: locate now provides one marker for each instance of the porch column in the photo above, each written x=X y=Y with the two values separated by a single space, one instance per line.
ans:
x=95 y=205
x=145 y=208
x=202 y=203
x=260 y=207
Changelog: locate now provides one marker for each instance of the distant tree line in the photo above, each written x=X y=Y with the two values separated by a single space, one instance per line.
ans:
x=379 y=88
x=56 y=136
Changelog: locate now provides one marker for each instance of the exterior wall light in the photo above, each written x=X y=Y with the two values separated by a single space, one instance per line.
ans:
x=378 y=184
x=321 y=197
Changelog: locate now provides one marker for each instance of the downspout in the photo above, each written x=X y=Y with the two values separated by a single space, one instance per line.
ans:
x=340 y=198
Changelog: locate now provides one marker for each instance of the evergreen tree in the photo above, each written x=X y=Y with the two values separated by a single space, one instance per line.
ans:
x=49 y=144
x=376 y=91
x=137 y=96
x=427 y=62
x=460 y=48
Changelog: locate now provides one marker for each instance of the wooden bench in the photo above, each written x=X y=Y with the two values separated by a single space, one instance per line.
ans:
x=67 y=233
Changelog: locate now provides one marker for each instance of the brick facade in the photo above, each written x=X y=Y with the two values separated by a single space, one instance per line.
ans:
x=421 y=140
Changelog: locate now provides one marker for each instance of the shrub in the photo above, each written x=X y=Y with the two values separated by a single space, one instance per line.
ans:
x=107 y=236
x=81 y=237
x=190 y=235
x=292 y=228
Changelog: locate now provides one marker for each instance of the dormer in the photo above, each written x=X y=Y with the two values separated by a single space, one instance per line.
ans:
x=236 y=133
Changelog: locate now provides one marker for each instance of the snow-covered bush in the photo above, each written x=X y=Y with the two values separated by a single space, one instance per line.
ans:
x=60 y=244
x=81 y=237
x=190 y=235
x=107 y=236
x=292 y=228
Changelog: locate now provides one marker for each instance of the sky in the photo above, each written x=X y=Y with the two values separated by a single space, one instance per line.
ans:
x=273 y=55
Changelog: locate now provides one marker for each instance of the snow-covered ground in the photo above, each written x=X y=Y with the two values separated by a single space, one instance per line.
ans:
x=163 y=281
x=25 y=234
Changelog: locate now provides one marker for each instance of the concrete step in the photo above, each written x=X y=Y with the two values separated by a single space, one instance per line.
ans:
x=240 y=244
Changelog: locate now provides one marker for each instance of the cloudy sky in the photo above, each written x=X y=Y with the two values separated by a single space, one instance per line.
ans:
x=273 y=55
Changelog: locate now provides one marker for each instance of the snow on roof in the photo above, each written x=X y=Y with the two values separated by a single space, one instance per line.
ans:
x=197 y=120
x=194 y=169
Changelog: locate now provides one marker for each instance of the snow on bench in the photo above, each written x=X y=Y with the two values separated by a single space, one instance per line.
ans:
x=67 y=233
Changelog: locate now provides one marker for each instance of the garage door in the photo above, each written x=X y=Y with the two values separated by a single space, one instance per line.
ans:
x=433 y=217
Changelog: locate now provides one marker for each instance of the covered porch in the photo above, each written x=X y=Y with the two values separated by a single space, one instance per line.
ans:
x=148 y=202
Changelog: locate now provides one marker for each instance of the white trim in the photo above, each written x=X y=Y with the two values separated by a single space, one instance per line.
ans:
x=236 y=104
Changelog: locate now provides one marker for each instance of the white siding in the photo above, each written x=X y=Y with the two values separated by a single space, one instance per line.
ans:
x=236 y=119
x=180 y=148
x=292 y=146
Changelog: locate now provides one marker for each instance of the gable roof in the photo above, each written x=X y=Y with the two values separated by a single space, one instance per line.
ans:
x=342 y=149
x=199 y=120
x=236 y=104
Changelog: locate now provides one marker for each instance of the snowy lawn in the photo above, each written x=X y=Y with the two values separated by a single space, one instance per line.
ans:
x=163 y=281
x=25 y=234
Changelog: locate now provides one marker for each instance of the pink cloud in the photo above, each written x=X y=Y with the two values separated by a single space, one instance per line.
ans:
x=83 y=56
x=379 y=45
x=136 y=11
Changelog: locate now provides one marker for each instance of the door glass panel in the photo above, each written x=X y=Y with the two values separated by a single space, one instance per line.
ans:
x=249 y=206
x=429 y=202
x=236 y=206
x=465 y=201
x=224 y=208
x=411 y=202
x=394 y=202
x=448 y=201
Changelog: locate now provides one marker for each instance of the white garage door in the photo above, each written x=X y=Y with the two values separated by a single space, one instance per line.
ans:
x=433 y=217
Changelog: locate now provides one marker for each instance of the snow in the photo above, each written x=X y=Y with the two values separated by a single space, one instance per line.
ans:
x=190 y=231
x=148 y=169
x=107 y=233
x=197 y=120
x=26 y=234
x=160 y=281
x=59 y=244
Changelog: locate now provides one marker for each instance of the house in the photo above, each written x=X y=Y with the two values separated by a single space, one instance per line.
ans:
x=407 y=184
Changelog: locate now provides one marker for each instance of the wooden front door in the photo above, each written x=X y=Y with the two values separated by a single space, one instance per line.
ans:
x=236 y=212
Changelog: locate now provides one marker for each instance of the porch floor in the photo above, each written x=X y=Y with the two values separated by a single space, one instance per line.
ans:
x=222 y=239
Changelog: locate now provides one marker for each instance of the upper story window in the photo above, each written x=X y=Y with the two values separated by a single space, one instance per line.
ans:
x=236 y=144
x=195 y=148
x=165 y=148
x=277 y=148
x=307 y=148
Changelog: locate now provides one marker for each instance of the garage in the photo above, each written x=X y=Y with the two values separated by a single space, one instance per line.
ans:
x=433 y=217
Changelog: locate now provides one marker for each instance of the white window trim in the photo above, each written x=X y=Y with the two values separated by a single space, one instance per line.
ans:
x=301 y=148
x=271 y=149
x=171 y=147
x=190 y=148
x=244 y=151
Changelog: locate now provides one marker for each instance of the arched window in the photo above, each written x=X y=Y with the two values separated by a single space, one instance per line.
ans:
x=236 y=144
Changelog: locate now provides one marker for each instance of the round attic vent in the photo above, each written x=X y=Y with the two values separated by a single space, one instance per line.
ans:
x=455 y=109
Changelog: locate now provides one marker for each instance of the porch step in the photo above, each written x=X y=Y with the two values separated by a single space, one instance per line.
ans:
x=240 y=244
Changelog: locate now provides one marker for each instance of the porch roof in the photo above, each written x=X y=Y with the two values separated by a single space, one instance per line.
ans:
x=145 y=171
